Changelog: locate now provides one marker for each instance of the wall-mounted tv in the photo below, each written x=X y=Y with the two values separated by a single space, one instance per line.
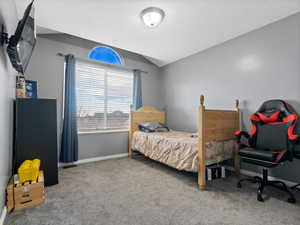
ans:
x=21 y=44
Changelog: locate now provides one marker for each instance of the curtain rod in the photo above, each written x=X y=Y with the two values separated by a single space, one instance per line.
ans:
x=102 y=63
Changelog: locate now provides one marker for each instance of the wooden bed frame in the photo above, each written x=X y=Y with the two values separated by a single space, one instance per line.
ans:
x=213 y=125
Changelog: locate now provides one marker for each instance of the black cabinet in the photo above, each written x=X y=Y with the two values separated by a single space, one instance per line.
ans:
x=35 y=135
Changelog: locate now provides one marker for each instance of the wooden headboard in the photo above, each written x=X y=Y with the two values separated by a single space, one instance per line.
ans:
x=144 y=114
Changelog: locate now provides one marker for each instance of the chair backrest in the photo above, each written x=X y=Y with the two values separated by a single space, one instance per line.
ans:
x=273 y=126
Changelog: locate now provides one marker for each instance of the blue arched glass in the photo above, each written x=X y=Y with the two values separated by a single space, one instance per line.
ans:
x=105 y=54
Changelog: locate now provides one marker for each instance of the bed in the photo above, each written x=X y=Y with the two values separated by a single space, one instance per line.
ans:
x=213 y=144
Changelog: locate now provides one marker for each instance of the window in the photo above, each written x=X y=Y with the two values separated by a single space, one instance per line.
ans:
x=106 y=54
x=104 y=96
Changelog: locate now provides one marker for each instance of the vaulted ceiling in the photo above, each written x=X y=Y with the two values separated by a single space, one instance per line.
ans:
x=190 y=26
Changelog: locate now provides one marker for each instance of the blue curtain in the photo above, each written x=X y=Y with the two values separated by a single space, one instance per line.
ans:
x=69 y=140
x=137 y=90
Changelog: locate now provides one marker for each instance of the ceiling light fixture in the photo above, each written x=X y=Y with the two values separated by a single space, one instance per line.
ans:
x=152 y=16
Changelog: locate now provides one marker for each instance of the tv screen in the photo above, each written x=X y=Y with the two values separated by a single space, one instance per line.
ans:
x=22 y=43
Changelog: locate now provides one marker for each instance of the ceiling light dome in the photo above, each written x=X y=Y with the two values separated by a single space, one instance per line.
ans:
x=152 y=16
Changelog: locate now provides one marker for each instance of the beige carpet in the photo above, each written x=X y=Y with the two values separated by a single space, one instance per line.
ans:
x=142 y=192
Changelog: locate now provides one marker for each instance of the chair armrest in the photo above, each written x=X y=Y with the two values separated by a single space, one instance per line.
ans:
x=239 y=134
x=294 y=146
x=294 y=139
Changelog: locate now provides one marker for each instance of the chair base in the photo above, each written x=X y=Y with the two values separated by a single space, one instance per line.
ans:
x=264 y=182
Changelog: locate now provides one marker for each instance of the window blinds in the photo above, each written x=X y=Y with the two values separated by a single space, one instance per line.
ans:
x=104 y=96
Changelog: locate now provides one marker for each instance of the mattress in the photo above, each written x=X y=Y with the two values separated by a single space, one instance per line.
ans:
x=179 y=150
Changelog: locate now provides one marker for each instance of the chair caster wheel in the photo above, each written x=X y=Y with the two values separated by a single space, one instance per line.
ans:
x=259 y=198
x=239 y=185
x=292 y=200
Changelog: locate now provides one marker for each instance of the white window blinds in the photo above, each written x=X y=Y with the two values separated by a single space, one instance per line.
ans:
x=104 y=96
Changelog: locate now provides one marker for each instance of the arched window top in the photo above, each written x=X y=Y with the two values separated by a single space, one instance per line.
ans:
x=105 y=54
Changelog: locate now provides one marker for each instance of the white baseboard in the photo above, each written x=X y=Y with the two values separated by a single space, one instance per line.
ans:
x=252 y=174
x=95 y=159
x=3 y=215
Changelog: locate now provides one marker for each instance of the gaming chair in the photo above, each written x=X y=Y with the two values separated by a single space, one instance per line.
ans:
x=270 y=143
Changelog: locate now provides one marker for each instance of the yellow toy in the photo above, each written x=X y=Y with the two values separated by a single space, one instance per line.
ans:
x=29 y=170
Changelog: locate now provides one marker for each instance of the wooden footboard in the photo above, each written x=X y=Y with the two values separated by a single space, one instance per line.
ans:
x=215 y=125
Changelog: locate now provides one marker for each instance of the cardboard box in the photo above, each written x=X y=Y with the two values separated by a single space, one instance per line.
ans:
x=23 y=195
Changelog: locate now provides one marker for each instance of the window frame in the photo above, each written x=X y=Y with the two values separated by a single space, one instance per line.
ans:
x=111 y=51
x=108 y=68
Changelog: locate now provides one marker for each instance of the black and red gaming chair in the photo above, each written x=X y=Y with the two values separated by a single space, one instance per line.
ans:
x=270 y=143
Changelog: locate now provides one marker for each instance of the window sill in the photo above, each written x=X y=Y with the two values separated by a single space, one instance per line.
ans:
x=102 y=132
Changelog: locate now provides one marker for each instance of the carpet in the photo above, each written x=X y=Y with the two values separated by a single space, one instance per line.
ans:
x=143 y=192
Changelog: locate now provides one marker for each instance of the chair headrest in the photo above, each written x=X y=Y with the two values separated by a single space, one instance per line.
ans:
x=274 y=110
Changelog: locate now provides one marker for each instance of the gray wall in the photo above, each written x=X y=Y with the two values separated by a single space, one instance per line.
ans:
x=8 y=16
x=261 y=65
x=48 y=70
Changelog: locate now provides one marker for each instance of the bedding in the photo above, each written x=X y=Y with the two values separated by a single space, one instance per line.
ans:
x=153 y=127
x=179 y=149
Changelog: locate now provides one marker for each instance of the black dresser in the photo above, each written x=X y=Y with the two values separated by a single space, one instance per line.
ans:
x=35 y=135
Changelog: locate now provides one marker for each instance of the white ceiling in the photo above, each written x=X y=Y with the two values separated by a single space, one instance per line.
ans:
x=190 y=26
